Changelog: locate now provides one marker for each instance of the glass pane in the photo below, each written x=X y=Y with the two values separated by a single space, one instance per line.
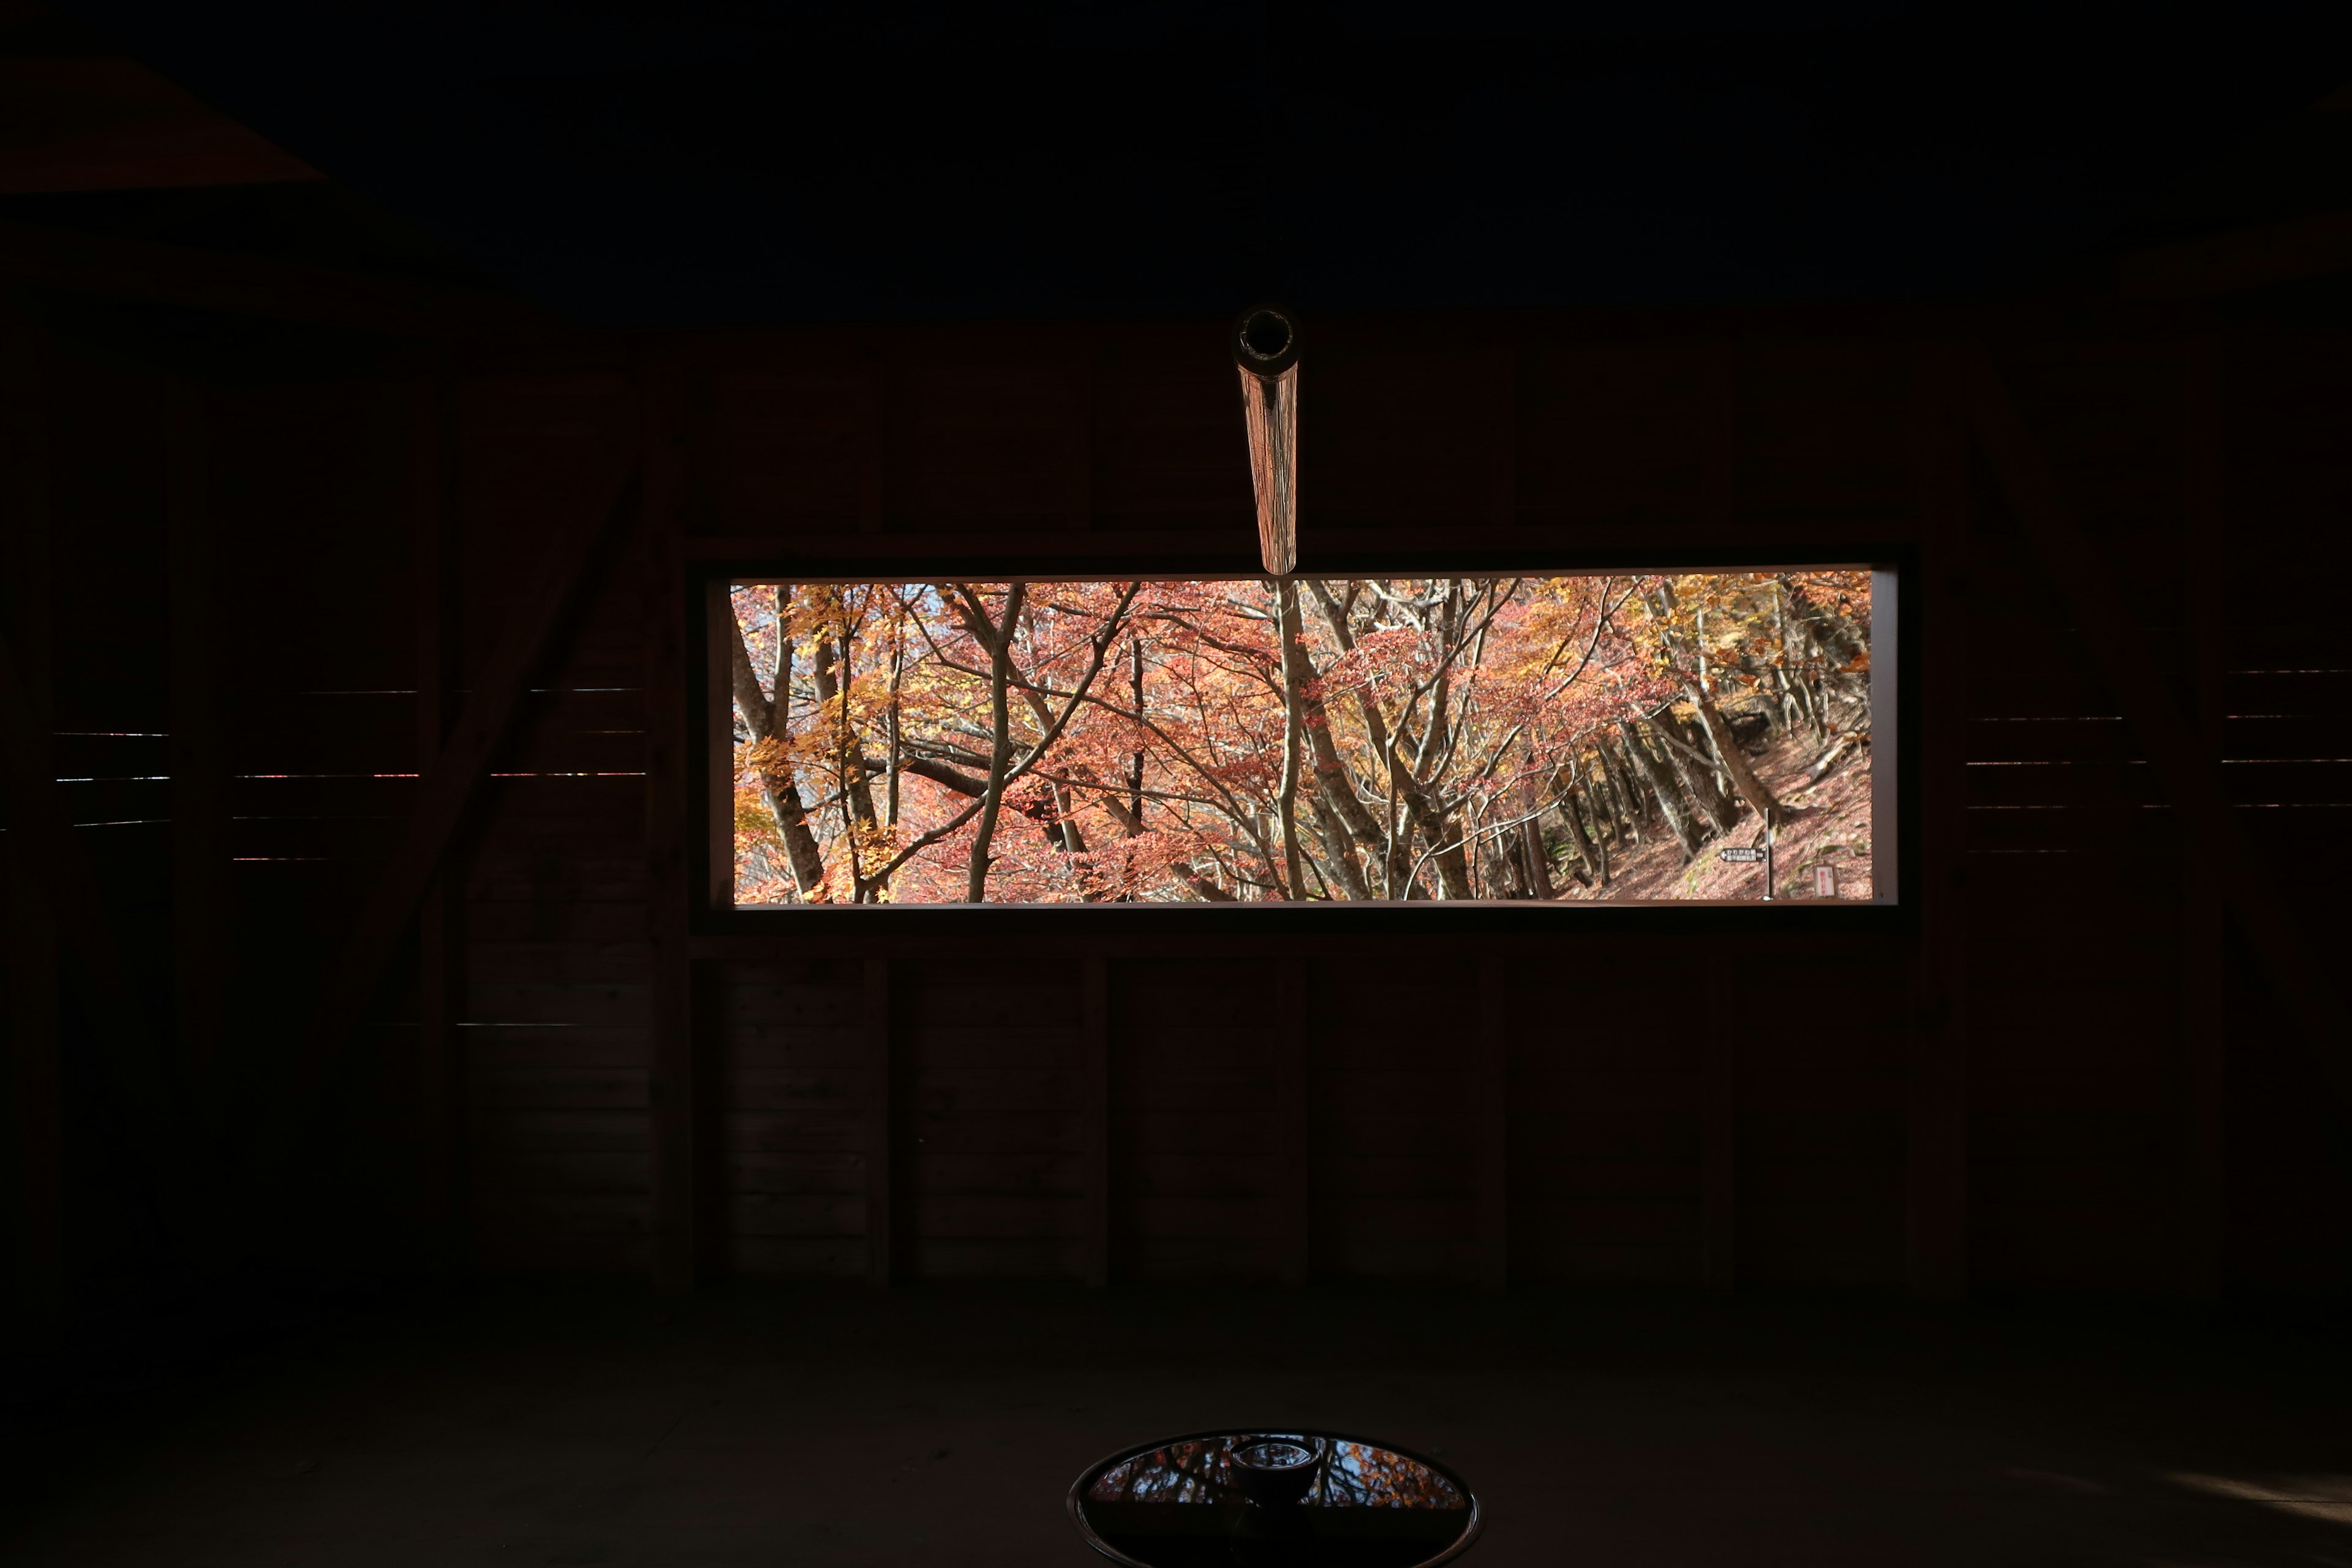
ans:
x=1454 y=740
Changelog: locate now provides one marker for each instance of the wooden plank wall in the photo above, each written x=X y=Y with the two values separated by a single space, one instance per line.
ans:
x=556 y=1024
x=1735 y=1112
x=2075 y=1171
x=2283 y=703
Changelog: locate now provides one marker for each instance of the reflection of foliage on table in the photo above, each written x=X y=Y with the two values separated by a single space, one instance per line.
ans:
x=1361 y=1476
x=1352 y=1475
x=1194 y=1472
x=1243 y=741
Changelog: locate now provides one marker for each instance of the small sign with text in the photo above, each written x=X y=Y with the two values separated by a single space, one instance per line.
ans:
x=1743 y=857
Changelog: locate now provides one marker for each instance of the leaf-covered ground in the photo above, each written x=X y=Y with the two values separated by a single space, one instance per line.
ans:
x=1832 y=826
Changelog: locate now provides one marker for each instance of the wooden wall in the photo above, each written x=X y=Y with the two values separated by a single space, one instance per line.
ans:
x=2076 y=1071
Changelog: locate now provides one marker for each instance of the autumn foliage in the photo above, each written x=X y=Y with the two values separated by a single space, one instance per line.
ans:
x=1459 y=738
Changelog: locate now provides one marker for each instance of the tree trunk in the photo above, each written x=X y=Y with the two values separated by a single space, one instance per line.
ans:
x=1452 y=864
x=1794 y=703
x=1623 y=802
x=1702 y=737
x=1690 y=664
x=1621 y=784
x=1589 y=853
x=1751 y=789
x=1000 y=756
x=1840 y=644
x=845 y=747
x=1452 y=869
x=1210 y=892
x=1135 y=768
x=1776 y=714
x=827 y=664
x=1601 y=846
x=1698 y=781
x=1539 y=860
x=1631 y=778
x=1446 y=852
x=1847 y=743
x=1331 y=775
x=778 y=789
x=1636 y=782
x=1288 y=633
x=1602 y=810
x=1066 y=822
x=1661 y=780
x=783 y=802
x=890 y=775
x=1337 y=849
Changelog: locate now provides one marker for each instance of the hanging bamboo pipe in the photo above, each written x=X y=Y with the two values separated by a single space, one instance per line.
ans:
x=1265 y=347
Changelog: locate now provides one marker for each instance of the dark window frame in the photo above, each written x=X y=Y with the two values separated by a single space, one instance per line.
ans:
x=711 y=764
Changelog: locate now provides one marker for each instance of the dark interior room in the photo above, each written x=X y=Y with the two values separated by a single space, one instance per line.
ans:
x=865 y=766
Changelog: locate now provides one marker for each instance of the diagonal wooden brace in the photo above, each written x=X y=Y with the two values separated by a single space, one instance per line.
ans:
x=2174 y=748
x=448 y=789
x=108 y=265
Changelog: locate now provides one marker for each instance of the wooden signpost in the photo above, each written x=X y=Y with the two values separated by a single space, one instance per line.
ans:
x=1748 y=857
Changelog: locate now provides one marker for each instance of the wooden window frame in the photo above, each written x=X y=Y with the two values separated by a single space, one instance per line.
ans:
x=1895 y=815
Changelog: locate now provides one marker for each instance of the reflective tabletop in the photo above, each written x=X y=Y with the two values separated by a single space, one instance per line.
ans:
x=1179 y=1502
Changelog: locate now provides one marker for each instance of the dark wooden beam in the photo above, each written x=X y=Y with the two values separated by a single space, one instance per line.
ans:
x=700 y=457
x=150 y=273
x=1936 y=1130
x=443 y=1234
x=2204 y=1018
x=719 y=743
x=878 y=402
x=1080 y=370
x=1719 y=439
x=199 y=818
x=816 y=551
x=1503 y=432
x=106 y=122
x=35 y=1310
x=1094 y=1065
x=2311 y=247
x=35 y=1183
x=201 y=895
x=1293 y=1226
x=1490 y=1123
x=1719 y=1062
x=881 y=1127
x=543 y=608
x=679 y=1198
x=2187 y=770
x=1718 y=1135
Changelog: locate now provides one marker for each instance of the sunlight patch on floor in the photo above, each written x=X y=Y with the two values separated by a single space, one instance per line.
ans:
x=2327 y=1497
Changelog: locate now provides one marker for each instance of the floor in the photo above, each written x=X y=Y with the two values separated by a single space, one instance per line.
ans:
x=572 y=1423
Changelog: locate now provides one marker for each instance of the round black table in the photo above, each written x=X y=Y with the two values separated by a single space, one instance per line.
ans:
x=1175 y=1504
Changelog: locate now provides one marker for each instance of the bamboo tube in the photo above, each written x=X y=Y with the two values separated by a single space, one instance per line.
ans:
x=1266 y=350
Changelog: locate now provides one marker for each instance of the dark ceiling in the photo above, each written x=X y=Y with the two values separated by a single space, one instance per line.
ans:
x=689 y=163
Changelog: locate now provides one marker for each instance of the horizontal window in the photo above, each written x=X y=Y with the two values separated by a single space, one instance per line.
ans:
x=1541 y=738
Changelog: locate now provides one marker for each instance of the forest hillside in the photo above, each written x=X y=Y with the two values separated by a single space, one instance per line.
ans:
x=1828 y=825
x=1452 y=738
